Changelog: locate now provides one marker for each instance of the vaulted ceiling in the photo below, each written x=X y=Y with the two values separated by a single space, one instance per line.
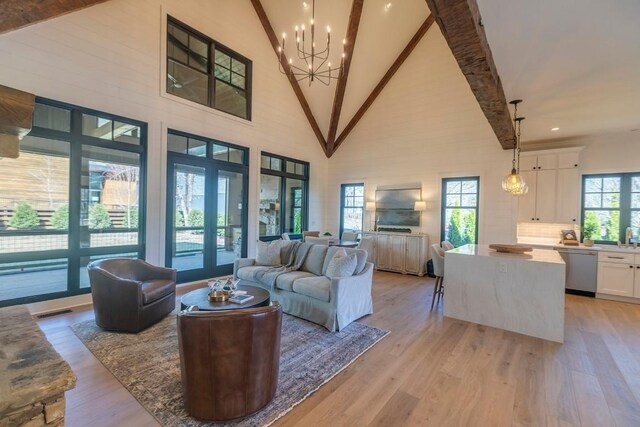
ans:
x=574 y=63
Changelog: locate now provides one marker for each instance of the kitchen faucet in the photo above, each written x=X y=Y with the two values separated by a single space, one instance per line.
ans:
x=628 y=234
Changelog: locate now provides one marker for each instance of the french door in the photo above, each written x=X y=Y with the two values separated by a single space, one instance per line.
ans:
x=206 y=217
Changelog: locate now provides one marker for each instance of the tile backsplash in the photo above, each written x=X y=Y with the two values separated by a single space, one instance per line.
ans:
x=544 y=230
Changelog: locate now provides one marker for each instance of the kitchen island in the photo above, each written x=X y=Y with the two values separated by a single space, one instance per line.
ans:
x=522 y=293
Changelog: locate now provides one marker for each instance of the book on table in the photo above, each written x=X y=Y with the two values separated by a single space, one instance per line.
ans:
x=241 y=299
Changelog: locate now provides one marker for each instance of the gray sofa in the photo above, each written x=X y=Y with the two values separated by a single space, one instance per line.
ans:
x=309 y=294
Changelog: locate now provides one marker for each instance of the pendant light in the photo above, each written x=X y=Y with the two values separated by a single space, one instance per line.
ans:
x=514 y=183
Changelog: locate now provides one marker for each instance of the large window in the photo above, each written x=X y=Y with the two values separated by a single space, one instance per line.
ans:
x=610 y=204
x=283 y=196
x=460 y=210
x=74 y=195
x=351 y=207
x=202 y=70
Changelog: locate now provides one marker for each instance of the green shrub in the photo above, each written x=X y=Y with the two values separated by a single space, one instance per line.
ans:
x=24 y=217
x=592 y=226
x=195 y=218
x=179 y=219
x=99 y=217
x=60 y=218
x=131 y=217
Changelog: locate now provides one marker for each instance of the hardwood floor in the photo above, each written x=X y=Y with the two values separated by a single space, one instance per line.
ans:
x=431 y=371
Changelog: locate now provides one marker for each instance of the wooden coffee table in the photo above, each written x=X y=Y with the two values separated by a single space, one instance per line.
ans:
x=198 y=297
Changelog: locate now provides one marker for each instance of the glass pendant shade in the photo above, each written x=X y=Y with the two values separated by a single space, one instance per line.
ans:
x=514 y=184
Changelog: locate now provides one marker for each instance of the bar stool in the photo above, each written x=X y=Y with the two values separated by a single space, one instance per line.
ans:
x=437 y=255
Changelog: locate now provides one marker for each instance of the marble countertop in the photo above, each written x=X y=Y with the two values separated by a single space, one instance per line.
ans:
x=547 y=244
x=537 y=255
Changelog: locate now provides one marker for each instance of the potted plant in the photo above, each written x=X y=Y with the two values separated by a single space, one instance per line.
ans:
x=591 y=228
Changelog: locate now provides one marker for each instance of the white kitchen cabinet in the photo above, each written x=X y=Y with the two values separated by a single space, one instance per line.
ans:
x=547 y=161
x=568 y=196
x=569 y=160
x=400 y=252
x=636 y=283
x=616 y=279
x=554 y=187
x=546 y=195
x=527 y=202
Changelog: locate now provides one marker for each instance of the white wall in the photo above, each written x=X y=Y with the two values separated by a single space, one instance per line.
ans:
x=424 y=126
x=110 y=57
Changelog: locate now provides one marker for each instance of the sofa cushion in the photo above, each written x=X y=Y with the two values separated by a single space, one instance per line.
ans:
x=317 y=287
x=315 y=259
x=285 y=281
x=361 y=256
x=268 y=253
x=249 y=273
x=153 y=290
x=342 y=266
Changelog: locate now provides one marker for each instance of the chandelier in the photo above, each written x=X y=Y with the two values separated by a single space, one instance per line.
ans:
x=314 y=67
x=514 y=183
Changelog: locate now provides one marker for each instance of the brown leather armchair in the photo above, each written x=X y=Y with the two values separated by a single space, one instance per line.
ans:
x=130 y=295
x=230 y=360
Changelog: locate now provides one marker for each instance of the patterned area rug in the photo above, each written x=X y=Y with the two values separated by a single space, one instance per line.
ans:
x=148 y=364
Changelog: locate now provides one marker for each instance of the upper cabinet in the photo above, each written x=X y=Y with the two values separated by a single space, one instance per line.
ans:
x=553 y=178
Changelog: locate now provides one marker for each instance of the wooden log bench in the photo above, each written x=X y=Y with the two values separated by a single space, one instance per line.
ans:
x=33 y=376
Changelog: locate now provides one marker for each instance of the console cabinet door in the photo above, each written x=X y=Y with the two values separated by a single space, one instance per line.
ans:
x=397 y=244
x=413 y=255
x=616 y=279
x=636 y=286
x=383 y=251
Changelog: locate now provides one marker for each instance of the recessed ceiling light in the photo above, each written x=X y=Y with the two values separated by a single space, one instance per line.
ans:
x=555 y=129
x=387 y=6
x=305 y=4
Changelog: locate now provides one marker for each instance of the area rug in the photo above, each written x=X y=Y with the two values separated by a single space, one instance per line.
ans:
x=148 y=364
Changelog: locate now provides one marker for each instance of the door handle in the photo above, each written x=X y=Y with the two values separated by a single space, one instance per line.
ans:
x=615 y=257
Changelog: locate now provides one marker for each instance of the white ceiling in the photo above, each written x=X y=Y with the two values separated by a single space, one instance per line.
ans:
x=575 y=63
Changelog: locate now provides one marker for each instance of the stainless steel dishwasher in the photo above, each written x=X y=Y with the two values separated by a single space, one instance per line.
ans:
x=582 y=270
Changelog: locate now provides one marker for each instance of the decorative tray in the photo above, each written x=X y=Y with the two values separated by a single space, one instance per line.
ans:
x=511 y=249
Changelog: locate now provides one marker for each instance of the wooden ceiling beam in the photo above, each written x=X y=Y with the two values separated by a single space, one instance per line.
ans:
x=461 y=25
x=385 y=79
x=264 y=20
x=16 y=14
x=341 y=85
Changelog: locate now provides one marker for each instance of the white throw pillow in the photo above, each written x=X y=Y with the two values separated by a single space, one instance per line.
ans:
x=268 y=253
x=342 y=266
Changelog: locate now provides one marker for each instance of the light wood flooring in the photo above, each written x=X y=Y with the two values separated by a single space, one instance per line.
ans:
x=431 y=371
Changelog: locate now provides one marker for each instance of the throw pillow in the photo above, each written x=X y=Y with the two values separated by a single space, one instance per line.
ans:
x=268 y=253
x=342 y=266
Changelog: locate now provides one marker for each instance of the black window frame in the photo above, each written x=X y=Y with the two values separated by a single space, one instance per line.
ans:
x=75 y=251
x=283 y=175
x=212 y=47
x=625 y=208
x=343 y=196
x=443 y=204
x=211 y=165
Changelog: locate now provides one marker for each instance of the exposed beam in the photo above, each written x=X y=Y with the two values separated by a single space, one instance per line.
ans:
x=285 y=65
x=385 y=79
x=341 y=85
x=461 y=25
x=16 y=14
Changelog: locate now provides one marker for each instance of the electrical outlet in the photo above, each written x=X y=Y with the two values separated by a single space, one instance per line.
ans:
x=503 y=267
